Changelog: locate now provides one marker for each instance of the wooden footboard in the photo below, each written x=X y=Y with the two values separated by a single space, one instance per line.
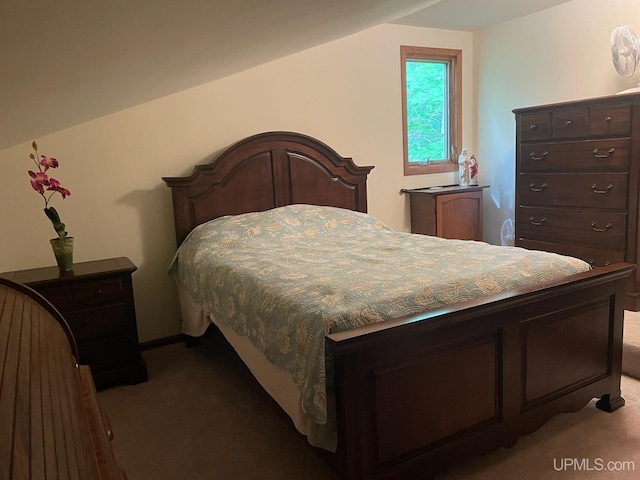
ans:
x=416 y=394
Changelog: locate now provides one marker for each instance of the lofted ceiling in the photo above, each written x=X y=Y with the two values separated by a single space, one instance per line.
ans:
x=66 y=62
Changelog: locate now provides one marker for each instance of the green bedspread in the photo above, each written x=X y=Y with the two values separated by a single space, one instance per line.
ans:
x=287 y=277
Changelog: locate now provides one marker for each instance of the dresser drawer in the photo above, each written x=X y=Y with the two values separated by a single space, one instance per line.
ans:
x=82 y=295
x=535 y=126
x=101 y=322
x=587 y=228
x=588 y=190
x=569 y=123
x=588 y=155
x=579 y=122
x=609 y=120
x=594 y=257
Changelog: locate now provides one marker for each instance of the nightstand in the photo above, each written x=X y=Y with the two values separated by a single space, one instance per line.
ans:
x=449 y=212
x=96 y=299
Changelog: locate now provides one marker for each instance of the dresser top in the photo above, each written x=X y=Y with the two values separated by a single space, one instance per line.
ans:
x=626 y=98
x=81 y=270
x=444 y=189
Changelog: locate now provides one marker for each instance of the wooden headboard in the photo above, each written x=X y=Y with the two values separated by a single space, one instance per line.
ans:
x=265 y=171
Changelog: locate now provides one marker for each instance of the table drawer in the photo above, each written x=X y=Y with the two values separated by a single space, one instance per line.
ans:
x=588 y=155
x=593 y=256
x=586 y=190
x=106 y=321
x=82 y=295
x=586 y=228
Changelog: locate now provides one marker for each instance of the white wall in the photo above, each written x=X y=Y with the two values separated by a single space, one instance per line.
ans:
x=346 y=93
x=559 y=54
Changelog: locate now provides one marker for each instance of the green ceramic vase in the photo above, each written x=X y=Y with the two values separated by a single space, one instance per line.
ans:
x=63 y=250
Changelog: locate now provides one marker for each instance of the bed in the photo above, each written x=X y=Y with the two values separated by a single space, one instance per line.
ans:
x=407 y=396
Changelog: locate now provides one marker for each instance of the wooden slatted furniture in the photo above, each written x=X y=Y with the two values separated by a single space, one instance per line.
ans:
x=50 y=423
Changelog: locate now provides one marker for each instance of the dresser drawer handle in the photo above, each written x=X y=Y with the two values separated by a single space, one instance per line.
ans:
x=537 y=224
x=533 y=126
x=533 y=187
x=597 y=155
x=606 y=227
x=568 y=123
x=608 y=120
x=533 y=155
x=594 y=187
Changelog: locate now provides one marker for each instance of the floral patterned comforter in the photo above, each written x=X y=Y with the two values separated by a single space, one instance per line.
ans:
x=287 y=277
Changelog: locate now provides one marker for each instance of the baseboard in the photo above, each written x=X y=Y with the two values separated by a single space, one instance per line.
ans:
x=161 y=342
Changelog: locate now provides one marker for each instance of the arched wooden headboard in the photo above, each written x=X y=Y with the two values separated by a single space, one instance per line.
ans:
x=265 y=171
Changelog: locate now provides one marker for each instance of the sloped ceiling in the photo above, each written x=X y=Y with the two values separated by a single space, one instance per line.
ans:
x=66 y=62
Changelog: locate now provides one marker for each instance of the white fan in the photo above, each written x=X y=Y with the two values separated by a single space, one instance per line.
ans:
x=625 y=52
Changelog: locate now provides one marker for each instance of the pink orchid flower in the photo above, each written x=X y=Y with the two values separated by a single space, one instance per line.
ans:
x=42 y=183
x=39 y=180
x=48 y=162
x=54 y=186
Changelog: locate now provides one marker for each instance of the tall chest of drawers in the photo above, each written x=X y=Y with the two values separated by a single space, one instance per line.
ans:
x=577 y=180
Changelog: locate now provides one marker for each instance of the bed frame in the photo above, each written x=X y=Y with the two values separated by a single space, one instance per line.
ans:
x=417 y=394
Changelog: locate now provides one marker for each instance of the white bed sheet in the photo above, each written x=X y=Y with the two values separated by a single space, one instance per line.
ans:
x=276 y=381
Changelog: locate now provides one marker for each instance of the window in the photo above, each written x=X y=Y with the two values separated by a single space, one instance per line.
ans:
x=431 y=109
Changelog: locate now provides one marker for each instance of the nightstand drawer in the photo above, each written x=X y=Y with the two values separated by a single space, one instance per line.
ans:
x=83 y=295
x=107 y=321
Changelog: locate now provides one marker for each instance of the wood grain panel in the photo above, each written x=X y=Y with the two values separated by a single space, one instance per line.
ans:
x=409 y=399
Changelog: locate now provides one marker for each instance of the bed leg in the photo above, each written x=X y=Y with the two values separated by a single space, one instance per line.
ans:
x=609 y=405
x=190 y=342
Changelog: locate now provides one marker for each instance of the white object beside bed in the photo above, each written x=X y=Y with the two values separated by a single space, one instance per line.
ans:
x=276 y=381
